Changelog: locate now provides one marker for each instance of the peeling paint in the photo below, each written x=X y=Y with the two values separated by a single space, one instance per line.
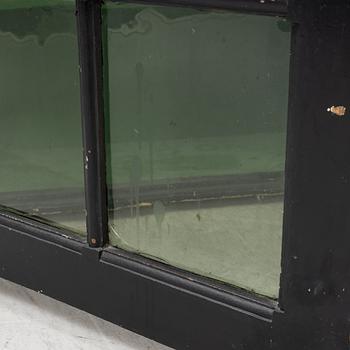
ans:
x=337 y=110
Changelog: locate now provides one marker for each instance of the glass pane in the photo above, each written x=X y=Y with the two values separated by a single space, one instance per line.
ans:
x=40 y=136
x=196 y=139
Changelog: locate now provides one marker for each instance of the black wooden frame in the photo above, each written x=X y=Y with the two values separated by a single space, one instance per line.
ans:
x=184 y=310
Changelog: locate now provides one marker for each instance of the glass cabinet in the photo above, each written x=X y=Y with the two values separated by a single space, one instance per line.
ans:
x=180 y=167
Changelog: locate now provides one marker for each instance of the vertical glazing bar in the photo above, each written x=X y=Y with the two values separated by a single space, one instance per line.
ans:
x=91 y=81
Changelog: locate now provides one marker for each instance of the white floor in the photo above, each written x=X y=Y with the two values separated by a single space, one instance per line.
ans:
x=32 y=321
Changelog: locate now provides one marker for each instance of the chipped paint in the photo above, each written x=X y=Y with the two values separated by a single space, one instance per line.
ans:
x=337 y=110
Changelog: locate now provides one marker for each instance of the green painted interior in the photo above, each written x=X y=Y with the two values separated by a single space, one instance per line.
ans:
x=31 y=4
x=40 y=134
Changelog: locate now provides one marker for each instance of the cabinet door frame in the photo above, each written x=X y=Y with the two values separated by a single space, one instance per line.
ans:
x=176 y=307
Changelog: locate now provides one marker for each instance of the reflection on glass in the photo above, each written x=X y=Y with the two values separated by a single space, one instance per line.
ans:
x=197 y=105
x=40 y=135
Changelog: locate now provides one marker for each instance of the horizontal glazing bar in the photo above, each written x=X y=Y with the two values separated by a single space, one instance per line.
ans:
x=266 y=7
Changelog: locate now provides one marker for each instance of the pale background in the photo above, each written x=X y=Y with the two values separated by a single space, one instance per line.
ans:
x=29 y=320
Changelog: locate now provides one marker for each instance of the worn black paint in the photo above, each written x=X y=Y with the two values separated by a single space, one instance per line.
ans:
x=184 y=311
x=316 y=261
x=90 y=65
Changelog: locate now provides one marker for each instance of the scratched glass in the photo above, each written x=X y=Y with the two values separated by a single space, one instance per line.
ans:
x=41 y=171
x=196 y=105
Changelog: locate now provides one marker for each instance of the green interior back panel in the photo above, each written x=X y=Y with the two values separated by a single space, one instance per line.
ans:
x=40 y=134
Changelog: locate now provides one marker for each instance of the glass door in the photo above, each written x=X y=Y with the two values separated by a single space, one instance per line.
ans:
x=196 y=135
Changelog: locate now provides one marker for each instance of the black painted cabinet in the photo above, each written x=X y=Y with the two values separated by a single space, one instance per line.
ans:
x=192 y=186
